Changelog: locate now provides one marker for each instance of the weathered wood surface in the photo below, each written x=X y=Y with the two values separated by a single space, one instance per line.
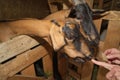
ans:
x=112 y=40
x=29 y=71
x=62 y=65
x=48 y=65
x=86 y=71
x=12 y=9
x=98 y=23
x=22 y=46
x=16 y=46
x=22 y=77
x=112 y=15
x=22 y=61
x=74 y=74
x=90 y=3
x=53 y=7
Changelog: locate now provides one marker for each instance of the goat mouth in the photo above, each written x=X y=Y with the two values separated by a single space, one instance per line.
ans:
x=83 y=60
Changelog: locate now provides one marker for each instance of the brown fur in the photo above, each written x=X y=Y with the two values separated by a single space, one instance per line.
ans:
x=59 y=15
x=44 y=29
x=62 y=15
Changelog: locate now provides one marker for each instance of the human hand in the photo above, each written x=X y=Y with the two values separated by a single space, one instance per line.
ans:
x=113 y=74
x=113 y=55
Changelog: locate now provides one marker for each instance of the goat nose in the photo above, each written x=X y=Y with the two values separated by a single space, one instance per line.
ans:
x=97 y=41
x=88 y=57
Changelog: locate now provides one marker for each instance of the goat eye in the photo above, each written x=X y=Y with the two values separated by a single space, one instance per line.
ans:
x=68 y=32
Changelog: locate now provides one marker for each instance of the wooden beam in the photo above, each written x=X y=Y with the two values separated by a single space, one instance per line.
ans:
x=90 y=3
x=22 y=61
x=62 y=65
x=22 y=77
x=48 y=65
x=71 y=61
x=29 y=71
x=53 y=8
x=86 y=72
x=98 y=23
x=100 y=4
x=16 y=46
x=112 y=39
x=74 y=74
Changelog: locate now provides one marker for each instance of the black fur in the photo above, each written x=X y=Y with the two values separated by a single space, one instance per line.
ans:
x=84 y=13
x=55 y=22
x=77 y=36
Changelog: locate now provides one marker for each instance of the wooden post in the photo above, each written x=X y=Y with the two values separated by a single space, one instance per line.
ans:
x=53 y=8
x=62 y=65
x=48 y=66
x=29 y=71
x=86 y=72
x=112 y=40
x=22 y=77
x=100 y=4
x=90 y=3
x=98 y=23
x=23 y=55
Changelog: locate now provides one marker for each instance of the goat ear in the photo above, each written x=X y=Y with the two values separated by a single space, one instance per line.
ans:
x=57 y=38
x=99 y=13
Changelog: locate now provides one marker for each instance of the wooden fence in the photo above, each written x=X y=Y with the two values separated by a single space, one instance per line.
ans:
x=17 y=58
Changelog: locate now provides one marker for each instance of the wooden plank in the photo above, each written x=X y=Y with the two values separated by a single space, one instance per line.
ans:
x=80 y=69
x=62 y=65
x=71 y=61
x=90 y=3
x=98 y=23
x=112 y=39
x=48 y=65
x=74 y=74
x=112 y=15
x=86 y=71
x=22 y=61
x=16 y=46
x=102 y=73
x=22 y=77
x=23 y=9
x=115 y=5
x=29 y=71
x=77 y=74
x=53 y=8
x=100 y=4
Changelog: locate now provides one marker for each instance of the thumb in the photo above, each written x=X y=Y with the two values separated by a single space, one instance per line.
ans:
x=110 y=75
x=103 y=64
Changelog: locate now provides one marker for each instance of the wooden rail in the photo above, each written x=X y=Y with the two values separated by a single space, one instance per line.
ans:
x=19 y=54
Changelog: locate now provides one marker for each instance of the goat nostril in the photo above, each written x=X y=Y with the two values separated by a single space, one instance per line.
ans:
x=89 y=57
x=97 y=40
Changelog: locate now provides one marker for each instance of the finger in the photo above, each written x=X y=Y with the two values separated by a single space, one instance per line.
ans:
x=116 y=61
x=103 y=64
x=108 y=51
x=110 y=75
x=109 y=62
x=117 y=74
x=113 y=56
